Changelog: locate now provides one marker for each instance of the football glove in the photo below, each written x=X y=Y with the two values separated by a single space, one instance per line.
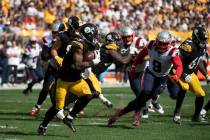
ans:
x=86 y=73
x=207 y=78
x=97 y=58
x=58 y=60
x=188 y=78
x=174 y=77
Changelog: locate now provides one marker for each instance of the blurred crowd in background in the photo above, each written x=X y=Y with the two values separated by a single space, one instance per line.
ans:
x=21 y=19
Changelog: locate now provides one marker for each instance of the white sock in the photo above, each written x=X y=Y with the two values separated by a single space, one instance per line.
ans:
x=70 y=117
x=60 y=114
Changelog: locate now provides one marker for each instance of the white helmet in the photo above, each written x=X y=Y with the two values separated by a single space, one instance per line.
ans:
x=33 y=38
x=127 y=34
x=55 y=26
x=163 y=41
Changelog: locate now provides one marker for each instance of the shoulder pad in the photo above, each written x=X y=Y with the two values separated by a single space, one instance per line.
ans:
x=77 y=44
x=185 y=46
x=112 y=46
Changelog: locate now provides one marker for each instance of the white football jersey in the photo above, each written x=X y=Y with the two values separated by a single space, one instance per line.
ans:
x=139 y=43
x=160 y=64
x=33 y=54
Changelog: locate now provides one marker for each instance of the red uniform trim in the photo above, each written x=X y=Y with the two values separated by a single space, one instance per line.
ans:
x=150 y=44
x=172 y=51
x=140 y=56
x=138 y=42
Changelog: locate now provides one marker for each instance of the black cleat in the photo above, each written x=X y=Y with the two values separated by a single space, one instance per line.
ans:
x=26 y=92
x=198 y=118
x=69 y=123
x=42 y=130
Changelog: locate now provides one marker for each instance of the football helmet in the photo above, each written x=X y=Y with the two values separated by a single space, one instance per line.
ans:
x=33 y=41
x=73 y=23
x=200 y=36
x=112 y=37
x=89 y=32
x=163 y=41
x=55 y=29
x=127 y=35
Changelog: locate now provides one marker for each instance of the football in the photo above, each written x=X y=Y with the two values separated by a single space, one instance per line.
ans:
x=89 y=56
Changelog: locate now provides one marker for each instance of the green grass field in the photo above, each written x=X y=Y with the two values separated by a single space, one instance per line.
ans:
x=16 y=124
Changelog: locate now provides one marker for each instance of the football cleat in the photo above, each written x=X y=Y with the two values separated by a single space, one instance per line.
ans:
x=108 y=104
x=69 y=123
x=26 y=92
x=136 y=121
x=203 y=113
x=42 y=130
x=114 y=117
x=157 y=107
x=35 y=111
x=177 y=119
x=145 y=113
x=151 y=108
x=198 y=118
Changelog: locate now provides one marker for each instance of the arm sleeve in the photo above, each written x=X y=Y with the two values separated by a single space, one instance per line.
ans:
x=139 y=58
x=178 y=65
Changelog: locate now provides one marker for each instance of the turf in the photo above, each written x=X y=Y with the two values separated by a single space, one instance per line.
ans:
x=17 y=124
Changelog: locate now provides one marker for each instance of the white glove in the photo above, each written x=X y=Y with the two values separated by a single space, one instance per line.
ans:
x=208 y=78
x=105 y=101
x=86 y=73
x=133 y=50
x=188 y=78
x=97 y=58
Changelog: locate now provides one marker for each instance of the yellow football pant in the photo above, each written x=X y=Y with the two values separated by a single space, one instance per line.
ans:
x=194 y=85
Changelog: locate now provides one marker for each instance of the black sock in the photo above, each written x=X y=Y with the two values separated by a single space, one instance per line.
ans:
x=42 y=96
x=179 y=101
x=130 y=107
x=49 y=116
x=80 y=104
x=207 y=106
x=198 y=104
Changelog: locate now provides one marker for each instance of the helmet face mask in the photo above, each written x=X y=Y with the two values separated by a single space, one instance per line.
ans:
x=55 y=29
x=112 y=37
x=127 y=36
x=163 y=41
x=73 y=23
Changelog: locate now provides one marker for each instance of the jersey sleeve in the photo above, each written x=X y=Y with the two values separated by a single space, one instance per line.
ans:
x=112 y=46
x=185 y=48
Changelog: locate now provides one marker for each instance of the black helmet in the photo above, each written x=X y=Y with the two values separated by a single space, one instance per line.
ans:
x=73 y=22
x=61 y=27
x=89 y=32
x=112 y=37
x=200 y=36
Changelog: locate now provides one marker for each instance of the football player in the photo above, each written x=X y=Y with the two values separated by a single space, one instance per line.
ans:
x=30 y=58
x=191 y=51
x=163 y=57
x=49 y=76
x=70 y=79
x=136 y=43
